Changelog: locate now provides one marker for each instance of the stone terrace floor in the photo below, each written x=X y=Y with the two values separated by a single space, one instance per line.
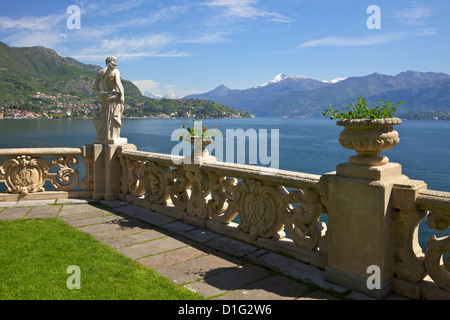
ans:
x=208 y=263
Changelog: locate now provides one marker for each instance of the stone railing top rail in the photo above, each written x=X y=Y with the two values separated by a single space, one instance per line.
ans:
x=164 y=159
x=285 y=178
x=41 y=152
x=433 y=198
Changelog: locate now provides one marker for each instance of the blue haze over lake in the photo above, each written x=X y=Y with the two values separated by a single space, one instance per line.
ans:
x=305 y=145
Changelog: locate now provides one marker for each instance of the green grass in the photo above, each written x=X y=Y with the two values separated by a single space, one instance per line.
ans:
x=35 y=255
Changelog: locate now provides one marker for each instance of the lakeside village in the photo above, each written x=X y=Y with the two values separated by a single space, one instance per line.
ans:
x=63 y=106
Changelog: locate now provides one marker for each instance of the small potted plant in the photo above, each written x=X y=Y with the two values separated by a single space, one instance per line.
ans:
x=196 y=132
x=368 y=131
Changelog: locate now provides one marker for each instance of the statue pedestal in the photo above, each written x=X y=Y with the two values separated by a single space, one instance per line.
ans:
x=107 y=170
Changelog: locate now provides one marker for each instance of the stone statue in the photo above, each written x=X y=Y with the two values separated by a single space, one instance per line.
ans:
x=108 y=120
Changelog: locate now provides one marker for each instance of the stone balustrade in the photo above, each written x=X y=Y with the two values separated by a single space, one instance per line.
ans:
x=343 y=222
x=26 y=170
x=274 y=209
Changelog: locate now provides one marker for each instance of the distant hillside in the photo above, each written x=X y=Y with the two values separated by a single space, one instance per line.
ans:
x=26 y=71
x=300 y=96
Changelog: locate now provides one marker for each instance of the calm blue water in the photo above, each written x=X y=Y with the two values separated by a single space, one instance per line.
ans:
x=305 y=145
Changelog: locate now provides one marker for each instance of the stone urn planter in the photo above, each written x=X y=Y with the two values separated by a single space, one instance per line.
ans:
x=204 y=142
x=369 y=137
x=203 y=155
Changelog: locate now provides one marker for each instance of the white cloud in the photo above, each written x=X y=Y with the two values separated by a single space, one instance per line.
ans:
x=47 y=31
x=100 y=56
x=32 y=23
x=48 y=39
x=167 y=91
x=108 y=7
x=150 y=42
x=163 y=15
x=413 y=16
x=363 y=41
x=34 y=31
x=147 y=85
x=218 y=37
x=247 y=9
x=427 y=31
x=125 y=48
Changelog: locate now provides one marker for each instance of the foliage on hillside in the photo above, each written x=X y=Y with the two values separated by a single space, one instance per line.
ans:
x=419 y=115
x=183 y=108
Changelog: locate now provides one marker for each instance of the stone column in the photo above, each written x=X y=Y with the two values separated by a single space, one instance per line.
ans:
x=107 y=170
x=360 y=227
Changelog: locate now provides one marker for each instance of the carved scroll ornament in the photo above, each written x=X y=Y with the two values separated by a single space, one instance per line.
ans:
x=259 y=208
x=155 y=181
x=131 y=182
x=302 y=222
x=24 y=174
x=177 y=187
x=437 y=268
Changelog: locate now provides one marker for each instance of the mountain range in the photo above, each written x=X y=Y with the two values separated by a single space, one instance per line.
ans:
x=305 y=97
x=25 y=71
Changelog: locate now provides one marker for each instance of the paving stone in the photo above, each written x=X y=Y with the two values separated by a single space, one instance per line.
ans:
x=155 y=218
x=134 y=223
x=228 y=280
x=201 y=235
x=132 y=210
x=114 y=203
x=146 y=215
x=85 y=215
x=8 y=204
x=43 y=212
x=273 y=288
x=92 y=229
x=75 y=201
x=170 y=258
x=34 y=203
x=134 y=238
x=140 y=250
x=120 y=231
x=231 y=246
x=96 y=230
x=76 y=209
x=13 y=213
x=319 y=295
x=179 y=227
x=96 y=220
x=196 y=269
x=294 y=268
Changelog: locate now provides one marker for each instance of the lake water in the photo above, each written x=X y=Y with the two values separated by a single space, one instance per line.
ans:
x=305 y=145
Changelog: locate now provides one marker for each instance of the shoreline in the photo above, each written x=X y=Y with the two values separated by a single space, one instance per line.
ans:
x=178 y=118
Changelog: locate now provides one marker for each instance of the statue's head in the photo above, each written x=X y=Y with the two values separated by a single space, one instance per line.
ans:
x=111 y=61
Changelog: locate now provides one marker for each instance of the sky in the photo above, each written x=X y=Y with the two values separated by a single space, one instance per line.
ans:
x=177 y=47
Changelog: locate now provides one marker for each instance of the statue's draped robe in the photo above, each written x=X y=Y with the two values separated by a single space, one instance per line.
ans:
x=109 y=122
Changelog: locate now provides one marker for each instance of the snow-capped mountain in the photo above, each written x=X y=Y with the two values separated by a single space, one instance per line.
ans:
x=334 y=80
x=280 y=77
x=151 y=95
x=169 y=95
